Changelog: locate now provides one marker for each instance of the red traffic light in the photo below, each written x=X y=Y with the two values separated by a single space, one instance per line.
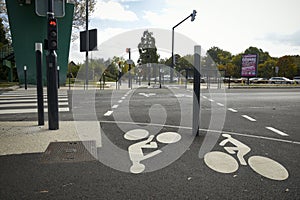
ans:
x=52 y=22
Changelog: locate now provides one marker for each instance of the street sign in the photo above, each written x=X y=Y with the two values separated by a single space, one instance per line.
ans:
x=41 y=8
x=92 y=40
x=129 y=62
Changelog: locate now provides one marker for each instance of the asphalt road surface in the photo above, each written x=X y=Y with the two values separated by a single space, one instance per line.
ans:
x=248 y=148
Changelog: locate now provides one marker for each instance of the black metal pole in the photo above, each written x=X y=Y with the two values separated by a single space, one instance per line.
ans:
x=186 y=77
x=129 y=70
x=52 y=81
x=39 y=82
x=196 y=96
x=58 y=85
x=25 y=77
x=87 y=44
x=69 y=79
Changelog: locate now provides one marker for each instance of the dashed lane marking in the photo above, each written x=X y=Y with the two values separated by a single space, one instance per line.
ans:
x=249 y=118
x=211 y=100
x=219 y=104
x=276 y=131
x=232 y=110
x=120 y=101
x=115 y=106
x=108 y=113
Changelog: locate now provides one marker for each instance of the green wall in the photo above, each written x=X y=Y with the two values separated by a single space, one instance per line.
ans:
x=27 y=28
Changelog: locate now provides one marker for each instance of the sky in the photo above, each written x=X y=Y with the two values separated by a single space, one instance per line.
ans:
x=232 y=25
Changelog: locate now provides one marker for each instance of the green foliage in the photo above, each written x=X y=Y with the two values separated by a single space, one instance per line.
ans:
x=219 y=56
x=287 y=66
x=267 y=69
x=262 y=56
x=147 y=49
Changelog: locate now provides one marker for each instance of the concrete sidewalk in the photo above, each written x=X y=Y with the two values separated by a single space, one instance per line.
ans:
x=28 y=137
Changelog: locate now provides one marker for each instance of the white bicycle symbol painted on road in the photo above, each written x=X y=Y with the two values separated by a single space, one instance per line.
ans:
x=135 y=151
x=225 y=163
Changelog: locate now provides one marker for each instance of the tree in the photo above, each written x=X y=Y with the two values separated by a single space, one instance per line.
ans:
x=79 y=17
x=219 y=56
x=262 y=56
x=267 y=69
x=147 y=49
x=3 y=40
x=287 y=67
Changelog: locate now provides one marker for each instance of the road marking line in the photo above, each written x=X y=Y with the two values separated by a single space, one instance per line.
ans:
x=211 y=100
x=207 y=130
x=249 y=118
x=204 y=97
x=232 y=110
x=123 y=97
x=115 y=106
x=220 y=104
x=31 y=110
x=277 y=131
x=26 y=100
x=16 y=105
x=108 y=113
x=120 y=101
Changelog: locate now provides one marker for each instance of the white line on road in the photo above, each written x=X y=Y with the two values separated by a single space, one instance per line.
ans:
x=206 y=130
x=16 y=105
x=31 y=110
x=115 y=106
x=277 y=131
x=120 y=101
x=108 y=113
x=232 y=110
x=249 y=118
x=211 y=100
x=204 y=97
x=123 y=97
x=219 y=104
x=26 y=100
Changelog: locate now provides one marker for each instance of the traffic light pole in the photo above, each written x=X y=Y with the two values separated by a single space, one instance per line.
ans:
x=173 y=63
x=52 y=76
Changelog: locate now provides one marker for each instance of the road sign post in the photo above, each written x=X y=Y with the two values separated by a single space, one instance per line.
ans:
x=196 y=96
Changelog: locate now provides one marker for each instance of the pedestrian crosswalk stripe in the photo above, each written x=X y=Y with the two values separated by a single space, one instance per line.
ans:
x=29 y=110
x=15 y=102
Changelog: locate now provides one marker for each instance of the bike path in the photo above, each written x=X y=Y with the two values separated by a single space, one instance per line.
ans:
x=27 y=177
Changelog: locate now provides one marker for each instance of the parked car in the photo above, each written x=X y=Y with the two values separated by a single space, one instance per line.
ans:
x=297 y=79
x=280 y=80
x=258 y=80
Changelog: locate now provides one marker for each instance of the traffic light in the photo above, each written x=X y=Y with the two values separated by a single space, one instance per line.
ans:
x=52 y=34
x=193 y=15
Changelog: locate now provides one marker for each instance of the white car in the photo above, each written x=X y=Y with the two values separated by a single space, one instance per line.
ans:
x=297 y=79
x=280 y=80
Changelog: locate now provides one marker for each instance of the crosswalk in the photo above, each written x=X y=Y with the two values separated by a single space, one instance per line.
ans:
x=25 y=101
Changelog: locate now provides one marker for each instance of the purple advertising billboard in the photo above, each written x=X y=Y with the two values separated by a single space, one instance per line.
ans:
x=249 y=65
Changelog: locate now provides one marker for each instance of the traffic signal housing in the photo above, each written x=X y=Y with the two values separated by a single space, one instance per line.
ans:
x=52 y=34
x=193 y=15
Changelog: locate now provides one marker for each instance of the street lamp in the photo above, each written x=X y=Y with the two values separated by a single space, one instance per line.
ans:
x=192 y=15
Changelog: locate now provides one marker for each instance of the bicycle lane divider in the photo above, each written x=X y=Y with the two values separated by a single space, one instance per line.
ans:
x=276 y=131
x=232 y=110
x=110 y=112
x=249 y=118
